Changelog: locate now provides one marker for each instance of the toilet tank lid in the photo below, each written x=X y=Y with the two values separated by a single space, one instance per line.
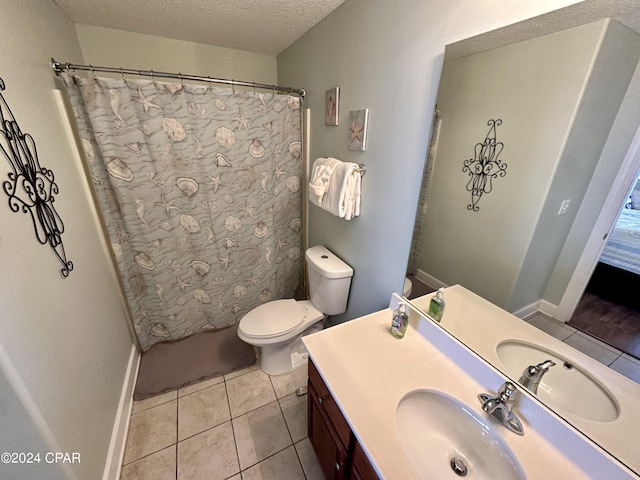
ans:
x=322 y=260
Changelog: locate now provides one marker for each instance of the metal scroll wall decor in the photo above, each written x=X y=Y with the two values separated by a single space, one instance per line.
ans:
x=485 y=166
x=31 y=187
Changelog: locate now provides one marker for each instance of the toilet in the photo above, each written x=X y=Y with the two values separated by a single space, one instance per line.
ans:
x=407 y=287
x=277 y=327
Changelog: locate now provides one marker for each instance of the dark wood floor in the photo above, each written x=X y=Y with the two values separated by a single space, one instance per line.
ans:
x=614 y=324
x=419 y=288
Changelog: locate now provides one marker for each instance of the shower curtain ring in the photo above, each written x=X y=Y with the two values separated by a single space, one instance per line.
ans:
x=233 y=86
x=181 y=81
x=122 y=73
x=93 y=73
x=254 y=87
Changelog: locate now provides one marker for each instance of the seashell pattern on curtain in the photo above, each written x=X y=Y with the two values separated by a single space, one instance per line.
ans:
x=200 y=191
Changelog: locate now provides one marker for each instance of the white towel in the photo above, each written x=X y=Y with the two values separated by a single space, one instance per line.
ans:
x=320 y=176
x=343 y=195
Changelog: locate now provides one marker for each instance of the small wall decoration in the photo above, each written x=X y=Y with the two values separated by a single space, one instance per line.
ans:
x=332 y=102
x=30 y=187
x=485 y=166
x=358 y=129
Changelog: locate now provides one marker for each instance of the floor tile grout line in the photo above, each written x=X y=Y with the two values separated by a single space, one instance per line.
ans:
x=597 y=341
x=293 y=445
x=614 y=360
x=233 y=430
x=149 y=454
x=153 y=406
x=177 y=429
x=285 y=420
x=298 y=455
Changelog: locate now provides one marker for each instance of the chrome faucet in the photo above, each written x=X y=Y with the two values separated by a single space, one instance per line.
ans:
x=532 y=375
x=501 y=407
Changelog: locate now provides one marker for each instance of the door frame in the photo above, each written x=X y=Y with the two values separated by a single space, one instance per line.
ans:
x=620 y=190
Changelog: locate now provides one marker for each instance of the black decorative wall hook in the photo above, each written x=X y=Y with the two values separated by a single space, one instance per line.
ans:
x=31 y=188
x=485 y=166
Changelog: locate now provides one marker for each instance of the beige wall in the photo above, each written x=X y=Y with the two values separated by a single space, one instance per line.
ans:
x=115 y=48
x=385 y=56
x=65 y=342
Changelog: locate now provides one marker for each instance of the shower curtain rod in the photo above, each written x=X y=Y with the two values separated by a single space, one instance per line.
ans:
x=61 y=67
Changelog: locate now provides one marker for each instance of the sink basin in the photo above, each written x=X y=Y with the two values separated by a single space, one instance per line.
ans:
x=440 y=435
x=566 y=386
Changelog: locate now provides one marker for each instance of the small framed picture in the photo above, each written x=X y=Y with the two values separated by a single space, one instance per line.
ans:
x=332 y=103
x=358 y=129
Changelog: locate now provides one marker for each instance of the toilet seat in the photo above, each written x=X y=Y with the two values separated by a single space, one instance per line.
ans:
x=272 y=319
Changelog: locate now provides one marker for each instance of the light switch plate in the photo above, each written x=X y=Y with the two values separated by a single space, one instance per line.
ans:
x=564 y=206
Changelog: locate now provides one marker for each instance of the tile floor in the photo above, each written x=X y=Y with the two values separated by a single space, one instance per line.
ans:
x=246 y=425
x=600 y=351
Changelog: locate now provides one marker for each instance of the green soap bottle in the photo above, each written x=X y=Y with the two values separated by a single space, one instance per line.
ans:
x=399 y=321
x=436 y=306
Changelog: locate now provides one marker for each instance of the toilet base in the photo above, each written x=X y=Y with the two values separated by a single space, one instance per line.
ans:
x=281 y=359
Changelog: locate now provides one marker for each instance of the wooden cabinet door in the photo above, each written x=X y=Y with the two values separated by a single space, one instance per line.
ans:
x=332 y=455
x=361 y=468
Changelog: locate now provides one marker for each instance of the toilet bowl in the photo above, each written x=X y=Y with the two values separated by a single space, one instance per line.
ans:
x=277 y=327
x=407 y=288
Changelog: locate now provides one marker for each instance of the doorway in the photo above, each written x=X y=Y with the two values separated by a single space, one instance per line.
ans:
x=584 y=305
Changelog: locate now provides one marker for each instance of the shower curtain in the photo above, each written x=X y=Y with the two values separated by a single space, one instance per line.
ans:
x=418 y=229
x=199 y=188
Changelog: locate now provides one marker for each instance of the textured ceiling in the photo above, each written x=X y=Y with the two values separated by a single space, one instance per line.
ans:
x=626 y=12
x=260 y=26
x=270 y=26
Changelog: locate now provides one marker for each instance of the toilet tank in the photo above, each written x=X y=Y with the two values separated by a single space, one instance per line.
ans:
x=329 y=280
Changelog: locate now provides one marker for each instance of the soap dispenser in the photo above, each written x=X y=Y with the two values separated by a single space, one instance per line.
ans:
x=436 y=306
x=399 y=321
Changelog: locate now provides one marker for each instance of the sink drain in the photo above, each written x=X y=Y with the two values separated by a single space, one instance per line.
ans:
x=568 y=366
x=458 y=466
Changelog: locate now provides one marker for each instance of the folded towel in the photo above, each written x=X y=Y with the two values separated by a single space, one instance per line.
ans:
x=320 y=176
x=343 y=195
x=352 y=195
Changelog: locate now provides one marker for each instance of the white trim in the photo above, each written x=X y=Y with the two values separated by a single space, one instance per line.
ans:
x=429 y=280
x=548 y=308
x=113 y=464
x=604 y=225
x=527 y=310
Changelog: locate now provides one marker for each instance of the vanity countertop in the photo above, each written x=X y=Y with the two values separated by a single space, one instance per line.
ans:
x=482 y=326
x=368 y=372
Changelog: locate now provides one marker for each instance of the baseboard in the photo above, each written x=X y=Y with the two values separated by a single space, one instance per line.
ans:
x=115 y=456
x=550 y=310
x=527 y=310
x=430 y=280
x=542 y=306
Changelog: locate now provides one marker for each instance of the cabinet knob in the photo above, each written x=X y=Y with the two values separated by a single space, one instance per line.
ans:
x=320 y=399
x=338 y=466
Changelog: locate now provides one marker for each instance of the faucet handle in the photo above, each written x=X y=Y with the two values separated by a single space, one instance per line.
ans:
x=508 y=393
